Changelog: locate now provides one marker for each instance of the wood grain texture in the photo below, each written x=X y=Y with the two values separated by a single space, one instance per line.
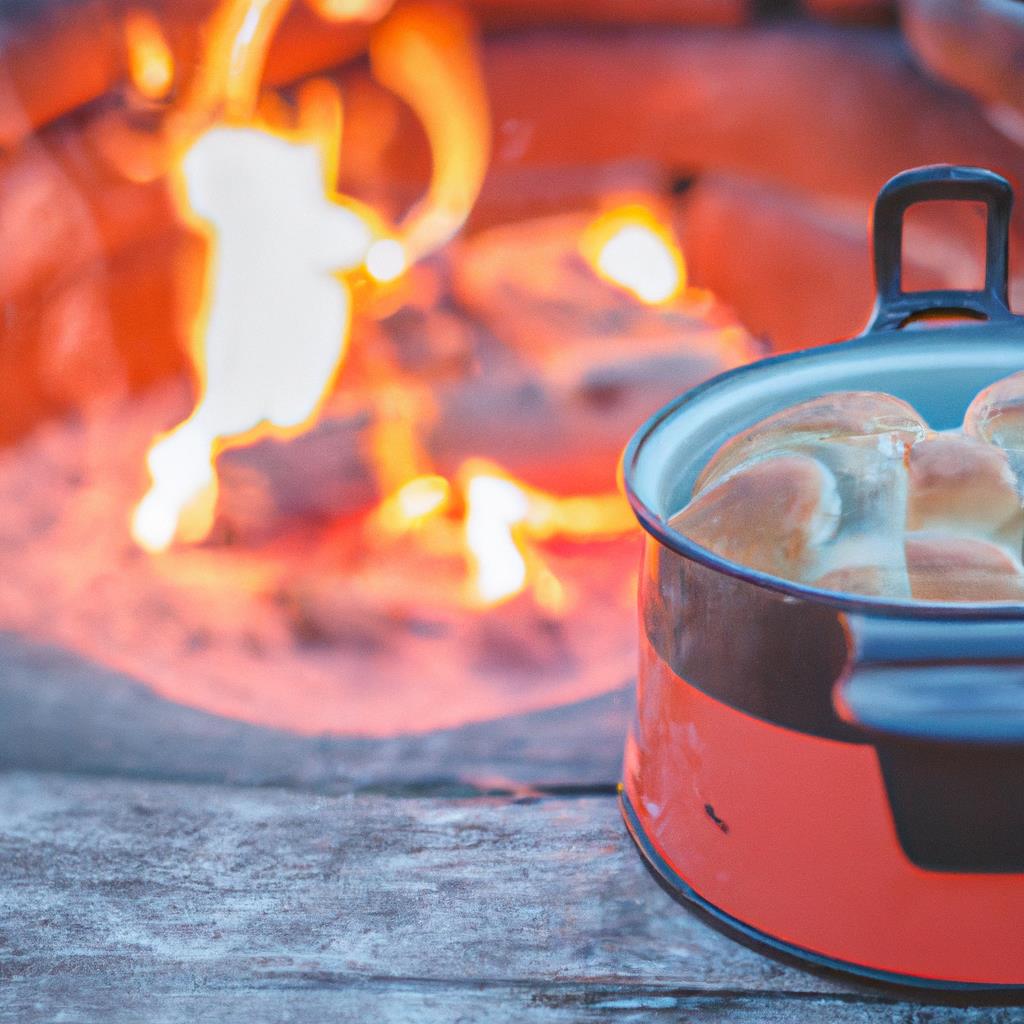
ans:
x=166 y=901
x=61 y=712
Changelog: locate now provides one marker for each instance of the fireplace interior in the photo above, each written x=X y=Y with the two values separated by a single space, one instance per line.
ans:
x=325 y=322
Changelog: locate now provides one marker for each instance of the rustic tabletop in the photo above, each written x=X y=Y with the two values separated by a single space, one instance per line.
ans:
x=161 y=864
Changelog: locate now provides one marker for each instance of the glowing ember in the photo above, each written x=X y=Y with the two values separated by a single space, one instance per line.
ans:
x=150 y=63
x=414 y=503
x=351 y=10
x=386 y=260
x=631 y=248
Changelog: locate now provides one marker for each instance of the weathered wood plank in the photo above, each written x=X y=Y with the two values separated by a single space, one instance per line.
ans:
x=172 y=901
x=414 y=1001
x=60 y=712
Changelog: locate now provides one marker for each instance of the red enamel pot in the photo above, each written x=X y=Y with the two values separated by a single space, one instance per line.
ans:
x=838 y=776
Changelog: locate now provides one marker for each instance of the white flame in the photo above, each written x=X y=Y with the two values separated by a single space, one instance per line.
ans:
x=277 y=324
x=493 y=507
x=637 y=259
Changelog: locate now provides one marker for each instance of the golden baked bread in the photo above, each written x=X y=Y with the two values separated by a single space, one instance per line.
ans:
x=947 y=567
x=961 y=485
x=772 y=515
x=837 y=416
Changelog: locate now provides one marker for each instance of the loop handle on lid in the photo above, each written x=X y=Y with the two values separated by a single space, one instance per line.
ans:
x=893 y=306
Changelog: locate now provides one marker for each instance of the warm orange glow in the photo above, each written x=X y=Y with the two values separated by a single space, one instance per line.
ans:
x=497 y=524
x=505 y=517
x=394 y=448
x=632 y=249
x=579 y=517
x=273 y=325
x=351 y=10
x=427 y=53
x=495 y=506
x=273 y=331
x=238 y=38
x=414 y=503
x=150 y=62
x=386 y=260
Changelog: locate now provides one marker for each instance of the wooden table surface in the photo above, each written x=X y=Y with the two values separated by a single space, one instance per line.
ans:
x=159 y=864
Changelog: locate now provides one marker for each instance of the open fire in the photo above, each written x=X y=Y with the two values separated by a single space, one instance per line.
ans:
x=273 y=324
x=272 y=328
x=419 y=303
x=384 y=507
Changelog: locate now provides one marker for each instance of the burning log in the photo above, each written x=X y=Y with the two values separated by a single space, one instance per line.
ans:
x=536 y=428
x=869 y=11
x=974 y=45
x=751 y=243
x=532 y=286
x=846 y=110
x=318 y=477
x=559 y=367
x=572 y=408
x=114 y=327
x=496 y=14
x=60 y=55
x=598 y=357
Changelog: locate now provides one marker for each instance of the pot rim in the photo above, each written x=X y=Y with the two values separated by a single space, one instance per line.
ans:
x=658 y=528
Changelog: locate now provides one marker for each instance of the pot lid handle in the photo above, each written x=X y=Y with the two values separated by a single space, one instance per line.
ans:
x=895 y=307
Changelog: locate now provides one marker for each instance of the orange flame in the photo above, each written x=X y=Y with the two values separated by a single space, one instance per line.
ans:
x=228 y=79
x=273 y=325
x=631 y=248
x=351 y=10
x=414 y=503
x=504 y=519
x=150 y=62
x=274 y=322
x=496 y=524
x=274 y=328
x=426 y=53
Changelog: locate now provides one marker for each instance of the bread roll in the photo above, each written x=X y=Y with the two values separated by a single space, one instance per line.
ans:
x=837 y=416
x=772 y=515
x=947 y=567
x=997 y=414
x=958 y=484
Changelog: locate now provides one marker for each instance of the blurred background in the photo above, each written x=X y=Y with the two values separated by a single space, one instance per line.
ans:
x=325 y=322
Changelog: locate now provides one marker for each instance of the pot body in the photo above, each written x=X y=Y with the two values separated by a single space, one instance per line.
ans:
x=839 y=776
x=747 y=791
